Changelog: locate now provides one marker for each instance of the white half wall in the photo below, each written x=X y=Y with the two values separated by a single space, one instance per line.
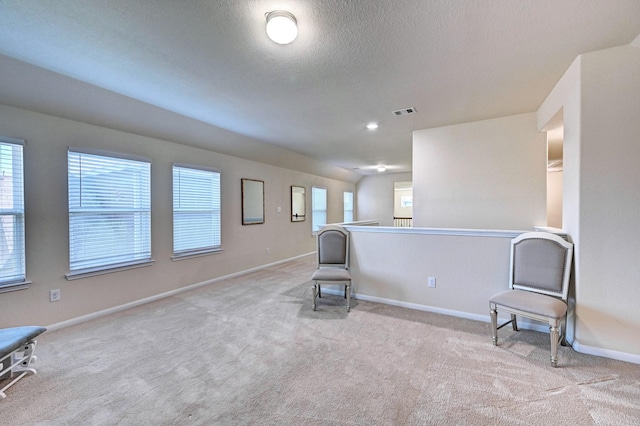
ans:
x=487 y=174
x=392 y=265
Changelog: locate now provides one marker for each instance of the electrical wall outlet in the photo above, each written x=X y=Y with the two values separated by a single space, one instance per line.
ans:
x=54 y=295
x=432 y=282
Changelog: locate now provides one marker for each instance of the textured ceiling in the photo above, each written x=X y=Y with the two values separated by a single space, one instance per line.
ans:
x=353 y=62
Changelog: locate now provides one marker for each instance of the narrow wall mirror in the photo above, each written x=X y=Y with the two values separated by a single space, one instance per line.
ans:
x=298 y=204
x=252 y=201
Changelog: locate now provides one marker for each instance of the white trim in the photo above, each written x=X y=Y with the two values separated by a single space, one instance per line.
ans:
x=115 y=309
x=522 y=323
x=20 y=285
x=101 y=270
x=374 y=222
x=196 y=253
x=606 y=353
x=438 y=231
x=409 y=305
x=589 y=350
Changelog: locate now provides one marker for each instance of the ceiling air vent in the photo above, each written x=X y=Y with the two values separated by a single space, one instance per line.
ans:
x=404 y=111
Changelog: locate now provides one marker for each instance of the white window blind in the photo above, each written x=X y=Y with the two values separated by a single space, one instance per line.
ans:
x=12 y=259
x=318 y=208
x=196 y=210
x=109 y=211
x=348 y=207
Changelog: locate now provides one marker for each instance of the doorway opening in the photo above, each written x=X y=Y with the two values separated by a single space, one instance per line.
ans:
x=403 y=204
x=555 y=140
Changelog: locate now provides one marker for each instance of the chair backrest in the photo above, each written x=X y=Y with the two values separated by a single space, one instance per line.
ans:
x=541 y=262
x=332 y=243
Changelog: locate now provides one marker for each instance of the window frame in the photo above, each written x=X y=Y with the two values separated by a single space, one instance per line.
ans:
x=315 y=227
x=141 y=257
x=344 y=205
x=216 y=217
x=17 y=281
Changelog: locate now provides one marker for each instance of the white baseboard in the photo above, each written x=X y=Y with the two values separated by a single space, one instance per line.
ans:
x=606 y=353
x=585 y=349
x=525 y=325
x=119 y=308
x=577 y=346
x=425 y=308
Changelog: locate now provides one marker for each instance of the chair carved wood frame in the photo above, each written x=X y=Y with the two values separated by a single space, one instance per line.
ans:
x=332 y=245
x=538 y=286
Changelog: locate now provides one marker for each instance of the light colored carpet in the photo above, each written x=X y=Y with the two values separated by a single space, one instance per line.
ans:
x=250 y=351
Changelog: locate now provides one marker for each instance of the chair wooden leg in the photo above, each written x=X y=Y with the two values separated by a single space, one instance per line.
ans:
x=314 y=289
x=555 y=337
x=347 y=291
x=563 y=332
x=514 y=322
x=494 y=326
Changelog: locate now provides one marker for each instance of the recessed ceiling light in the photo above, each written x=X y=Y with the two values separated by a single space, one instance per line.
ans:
x=372 y=126
x=382 y=169
x=281 y=26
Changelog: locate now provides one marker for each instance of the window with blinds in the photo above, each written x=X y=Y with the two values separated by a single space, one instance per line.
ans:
x=109 y=211
x=348 y=207
x=12 y=257
x=196 y=210
x=318 y=208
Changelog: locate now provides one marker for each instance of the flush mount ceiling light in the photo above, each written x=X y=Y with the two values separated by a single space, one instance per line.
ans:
x=372 y=126
x=281 y=26
x=382 y=169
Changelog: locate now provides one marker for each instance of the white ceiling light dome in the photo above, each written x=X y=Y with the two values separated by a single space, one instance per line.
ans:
x=282 y=26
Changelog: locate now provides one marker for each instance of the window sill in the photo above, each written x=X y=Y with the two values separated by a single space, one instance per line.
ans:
x=85 y=273
x=22 y=285
x=193 y=254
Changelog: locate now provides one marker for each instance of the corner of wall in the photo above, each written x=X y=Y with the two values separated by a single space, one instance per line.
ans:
x=554 y=102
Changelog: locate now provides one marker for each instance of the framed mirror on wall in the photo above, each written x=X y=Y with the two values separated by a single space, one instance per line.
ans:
x=298 y=204
x=252 y=201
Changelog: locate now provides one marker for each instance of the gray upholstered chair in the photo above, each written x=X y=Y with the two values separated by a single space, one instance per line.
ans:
x=539 y=283
x=332 y=244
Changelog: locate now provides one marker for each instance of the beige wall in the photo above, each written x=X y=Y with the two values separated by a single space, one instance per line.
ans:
x=599 y=98
x=607 y=295
x=375 y=197
x=488 y=174
x=554 y=199
x=244 y=247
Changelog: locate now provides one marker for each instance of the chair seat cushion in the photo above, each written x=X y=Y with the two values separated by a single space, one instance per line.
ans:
x=533 y=303
x=331 y=274
x=12 y=338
